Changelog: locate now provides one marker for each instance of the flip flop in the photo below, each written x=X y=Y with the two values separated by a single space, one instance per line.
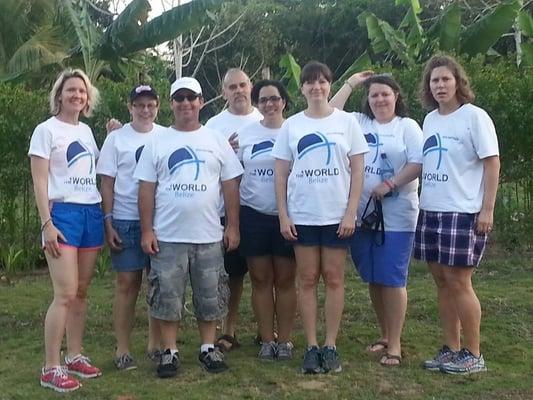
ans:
x=232 y=340
x=384 y=345
x=387 y=357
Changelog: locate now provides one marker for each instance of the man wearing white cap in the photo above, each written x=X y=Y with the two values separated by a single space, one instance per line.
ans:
x=236 y=90
x=181 y=174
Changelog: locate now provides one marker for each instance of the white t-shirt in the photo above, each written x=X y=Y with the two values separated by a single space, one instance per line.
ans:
x=188 y=168
x=228 y=123
x=72 y=153
x=401 y=140
x=257 y=184
x=319 y=182
x=454 y=147
x=118 y=158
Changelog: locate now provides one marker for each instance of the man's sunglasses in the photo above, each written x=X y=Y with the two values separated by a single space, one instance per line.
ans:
x=181 y=97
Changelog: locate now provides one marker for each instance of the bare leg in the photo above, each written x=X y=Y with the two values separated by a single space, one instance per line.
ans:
x=169 y=333
x=262 y=278
x=395 y=301
x=307 y=276
x=154 y=334
x=126 y=292
x=78 y=310
x=451 y=326
x=376 y=297
x=459 y=283
x=235 y=288
x=284 y=273
x=64 y=276
x=208 y=330
x=332 y=269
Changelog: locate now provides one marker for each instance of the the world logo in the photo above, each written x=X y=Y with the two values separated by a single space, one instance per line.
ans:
x=372 y=139
x=184 y=156
x=76 y=151
x=261 y=148
x=315 y=141
x=433 y=144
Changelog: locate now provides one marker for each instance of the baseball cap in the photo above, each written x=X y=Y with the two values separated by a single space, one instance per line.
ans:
x=143 y=90
x=186 y=83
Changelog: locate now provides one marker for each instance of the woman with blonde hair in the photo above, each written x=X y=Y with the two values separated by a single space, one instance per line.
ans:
x=459 y=182
x=63 y=154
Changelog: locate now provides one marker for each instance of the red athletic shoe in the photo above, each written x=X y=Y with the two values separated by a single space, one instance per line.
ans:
x=56 y=378
x=81 y=366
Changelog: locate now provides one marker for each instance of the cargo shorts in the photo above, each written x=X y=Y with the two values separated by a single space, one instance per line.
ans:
x=172 y=266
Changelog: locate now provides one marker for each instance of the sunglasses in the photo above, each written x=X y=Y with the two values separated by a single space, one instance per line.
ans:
x=181 y=97
x=272 y=99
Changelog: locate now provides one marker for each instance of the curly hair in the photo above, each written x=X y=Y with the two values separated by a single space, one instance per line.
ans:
x=93 y=96
x=400 y=108
x=463 y=92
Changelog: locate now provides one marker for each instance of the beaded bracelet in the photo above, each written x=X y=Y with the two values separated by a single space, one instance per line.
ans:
x=347 y=82
x=108 y=216
x=389 y=184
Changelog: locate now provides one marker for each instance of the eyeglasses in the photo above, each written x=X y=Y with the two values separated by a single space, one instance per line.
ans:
x=272 y=99
x=181 y=97
x=143 y=106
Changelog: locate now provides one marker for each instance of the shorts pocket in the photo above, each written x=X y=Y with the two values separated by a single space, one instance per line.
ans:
x=129 y=234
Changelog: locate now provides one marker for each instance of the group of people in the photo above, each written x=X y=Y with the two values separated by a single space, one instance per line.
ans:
x=282 y=199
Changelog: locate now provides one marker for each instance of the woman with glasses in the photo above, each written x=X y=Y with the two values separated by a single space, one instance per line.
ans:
x=63 y=153
x=459 y=184
x=268 y=255
x=119 y=156
x=318 y=177
x=395 y=143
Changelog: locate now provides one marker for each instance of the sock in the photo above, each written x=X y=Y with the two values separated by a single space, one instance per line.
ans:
x=206 y=346
x=68 y=359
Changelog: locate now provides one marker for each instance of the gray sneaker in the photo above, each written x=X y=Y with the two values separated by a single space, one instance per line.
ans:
x=312 y=361
x=444 y=355
x=331 y=361
x=124 y=362
x=154 y=356
x=464 y=363
x=169 y=364
x=268 y=351
x=285 y=351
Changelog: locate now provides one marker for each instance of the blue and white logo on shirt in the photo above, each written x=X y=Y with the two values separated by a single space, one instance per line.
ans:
x=138 y=153
x=184 y=156
x=314 y=141
x=261 y=148
x=75 y=152
x=372 y=139
x=434 y=144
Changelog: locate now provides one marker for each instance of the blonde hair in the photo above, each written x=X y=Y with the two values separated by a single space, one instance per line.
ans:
x=93 y=96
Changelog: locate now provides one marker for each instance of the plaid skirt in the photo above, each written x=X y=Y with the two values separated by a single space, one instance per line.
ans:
x=448 y=238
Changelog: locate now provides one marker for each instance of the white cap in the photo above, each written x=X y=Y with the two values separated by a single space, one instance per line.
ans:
x=186 y=83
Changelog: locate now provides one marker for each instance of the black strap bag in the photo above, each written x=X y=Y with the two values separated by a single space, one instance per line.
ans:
x=372 y=221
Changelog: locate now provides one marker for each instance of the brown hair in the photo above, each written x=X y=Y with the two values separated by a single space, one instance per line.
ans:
x=312 y=71
x=463 y=93
x=400 y=107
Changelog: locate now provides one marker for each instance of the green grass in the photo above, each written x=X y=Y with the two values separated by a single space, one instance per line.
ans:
x=504 y=288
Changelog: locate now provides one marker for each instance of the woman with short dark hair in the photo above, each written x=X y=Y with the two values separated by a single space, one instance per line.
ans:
x=318 y=176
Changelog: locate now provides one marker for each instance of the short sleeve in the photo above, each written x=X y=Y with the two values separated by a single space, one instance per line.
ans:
x=41 y=142
x=413 y=139
x=146 y=169
x=357 y=140
x=483 y=134
x=231 y=166
x=281 y=147
x=108 y=160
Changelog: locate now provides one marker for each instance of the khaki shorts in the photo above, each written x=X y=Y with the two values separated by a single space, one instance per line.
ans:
x=203 y=265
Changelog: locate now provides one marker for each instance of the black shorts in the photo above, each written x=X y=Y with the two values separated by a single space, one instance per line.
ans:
x=234 y=263
x=260 y=235
x=321 y=235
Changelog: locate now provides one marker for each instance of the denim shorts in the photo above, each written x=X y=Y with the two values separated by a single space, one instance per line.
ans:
x=177 y=263
x=321 y=235
x=260 y=235
x=131 y=257
x=449 y=238
x=387 y=264
x=82 y=225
